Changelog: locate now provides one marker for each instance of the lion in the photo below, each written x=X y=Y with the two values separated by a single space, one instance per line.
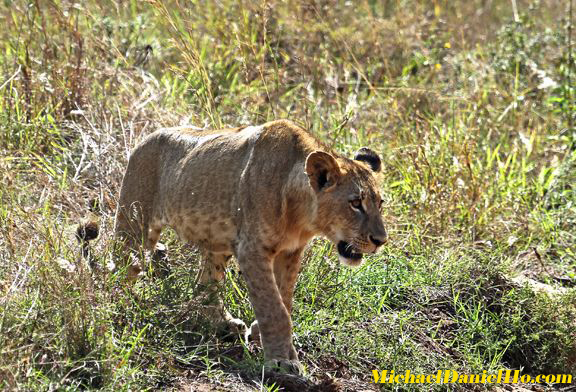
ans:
x=259 y=193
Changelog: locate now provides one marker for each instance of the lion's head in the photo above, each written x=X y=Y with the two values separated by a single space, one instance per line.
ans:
x=348 y=202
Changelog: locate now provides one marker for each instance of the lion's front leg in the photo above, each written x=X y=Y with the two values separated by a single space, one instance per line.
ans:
x=272 y=315
x=286 y=269
x=211 y=278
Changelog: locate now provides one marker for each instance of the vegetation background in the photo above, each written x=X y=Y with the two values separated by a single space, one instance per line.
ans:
x=470 y=103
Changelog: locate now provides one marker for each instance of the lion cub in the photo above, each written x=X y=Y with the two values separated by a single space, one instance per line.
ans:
x=259 y=193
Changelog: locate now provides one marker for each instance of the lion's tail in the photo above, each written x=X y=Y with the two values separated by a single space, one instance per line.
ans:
x=86 y=232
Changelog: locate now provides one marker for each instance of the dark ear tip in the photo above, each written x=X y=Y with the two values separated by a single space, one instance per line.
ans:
x=370 y=157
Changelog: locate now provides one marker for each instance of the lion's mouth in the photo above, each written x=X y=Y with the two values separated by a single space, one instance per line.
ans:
x=348 y=251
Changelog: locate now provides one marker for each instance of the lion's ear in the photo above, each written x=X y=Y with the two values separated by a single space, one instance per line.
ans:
x=368 y=156
x=322 y=169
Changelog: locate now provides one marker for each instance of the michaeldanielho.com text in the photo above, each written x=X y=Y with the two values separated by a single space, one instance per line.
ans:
x=504 y=376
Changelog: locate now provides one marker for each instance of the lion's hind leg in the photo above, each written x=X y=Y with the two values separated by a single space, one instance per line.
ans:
x=211 y=281
x=136 y=232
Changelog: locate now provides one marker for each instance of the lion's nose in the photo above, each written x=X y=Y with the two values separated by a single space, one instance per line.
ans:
x=378 y=241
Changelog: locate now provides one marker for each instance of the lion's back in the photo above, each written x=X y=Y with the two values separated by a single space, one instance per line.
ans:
x=222 y=171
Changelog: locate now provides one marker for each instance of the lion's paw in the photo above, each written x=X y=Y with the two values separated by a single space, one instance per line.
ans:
x=236 y=326
x=253 y=334
x=287 y=366
x=231 y=328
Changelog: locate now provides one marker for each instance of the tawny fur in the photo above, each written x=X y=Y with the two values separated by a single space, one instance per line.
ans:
x=258 y=193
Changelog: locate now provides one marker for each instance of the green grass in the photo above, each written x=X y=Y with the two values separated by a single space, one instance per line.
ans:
x=473 y=114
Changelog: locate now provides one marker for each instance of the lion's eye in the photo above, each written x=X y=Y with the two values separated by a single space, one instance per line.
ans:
x=356 y=203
